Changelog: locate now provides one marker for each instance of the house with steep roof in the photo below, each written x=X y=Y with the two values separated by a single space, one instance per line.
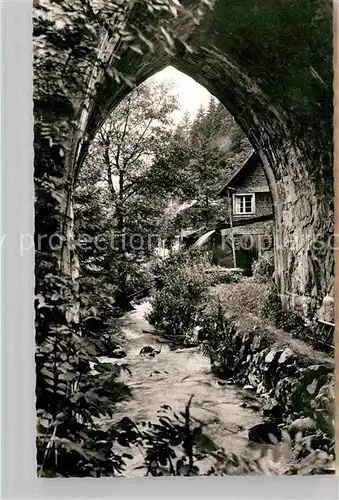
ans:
x=249 y=191
x=248 y=227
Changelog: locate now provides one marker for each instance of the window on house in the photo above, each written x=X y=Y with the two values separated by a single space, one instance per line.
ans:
x=243 y=204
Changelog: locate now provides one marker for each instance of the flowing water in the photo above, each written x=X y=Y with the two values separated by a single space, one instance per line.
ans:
x=172 y=377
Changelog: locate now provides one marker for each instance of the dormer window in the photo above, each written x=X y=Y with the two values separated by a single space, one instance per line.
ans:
x=243 y=204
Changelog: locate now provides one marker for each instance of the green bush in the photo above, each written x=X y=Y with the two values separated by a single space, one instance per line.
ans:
x=139 y=280
x=281 y=318
x=246 y=296
x=100 y=320
x=271 y=307
x=180 y=291
x=72 y=389
x=218 y=275
x=215 y=335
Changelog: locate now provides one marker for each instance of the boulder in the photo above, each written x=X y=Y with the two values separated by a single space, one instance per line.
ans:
x=304 y=425
x=255 y=358
x=118 y=353
x=316 y=371
x=282 y=391
x=261 y=389
x=253 y=380
x=288 y=369
x=221 y=382
x=247 y=340
x=312 y=387
x=286 y=356
x=256 y=344
x=272 y=356
x=249 y=387
x=148 y=350
x=268 y=432
x=272 y=409
x=242 y=352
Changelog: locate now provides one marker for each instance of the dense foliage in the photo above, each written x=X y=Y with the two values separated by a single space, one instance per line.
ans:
x=263 y=267
x=180 y=288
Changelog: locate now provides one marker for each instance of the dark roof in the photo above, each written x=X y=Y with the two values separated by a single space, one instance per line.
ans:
x=252 y=160
x=192 y=233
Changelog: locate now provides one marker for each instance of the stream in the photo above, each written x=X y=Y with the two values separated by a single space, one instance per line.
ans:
x=172 y=377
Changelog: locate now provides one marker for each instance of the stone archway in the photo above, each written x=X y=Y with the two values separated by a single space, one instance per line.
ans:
x=270 y=64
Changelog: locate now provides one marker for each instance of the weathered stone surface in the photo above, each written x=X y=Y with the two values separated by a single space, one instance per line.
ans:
x=285 y=391
x=253 y=380
x=263 y=353
x=317 y=370
x=118 y=353
x=312 y=388
x=249 y=387
x=314 y=372
x=242 y=351
x=304 y=425
x=148 y=350
x=261 y=389
x=286 y=356
x=255 y=358
x=324 y=406
x=272 y=356
x=257 y=343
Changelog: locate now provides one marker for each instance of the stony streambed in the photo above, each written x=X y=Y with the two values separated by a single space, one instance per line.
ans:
x=172 y=377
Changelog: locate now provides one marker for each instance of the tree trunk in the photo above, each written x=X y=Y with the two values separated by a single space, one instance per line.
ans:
x=121 y=296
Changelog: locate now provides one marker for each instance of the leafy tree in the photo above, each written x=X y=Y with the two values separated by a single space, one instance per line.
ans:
x=121 y=196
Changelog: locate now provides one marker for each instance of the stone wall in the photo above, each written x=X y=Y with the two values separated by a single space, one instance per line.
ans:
x=292 y=386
